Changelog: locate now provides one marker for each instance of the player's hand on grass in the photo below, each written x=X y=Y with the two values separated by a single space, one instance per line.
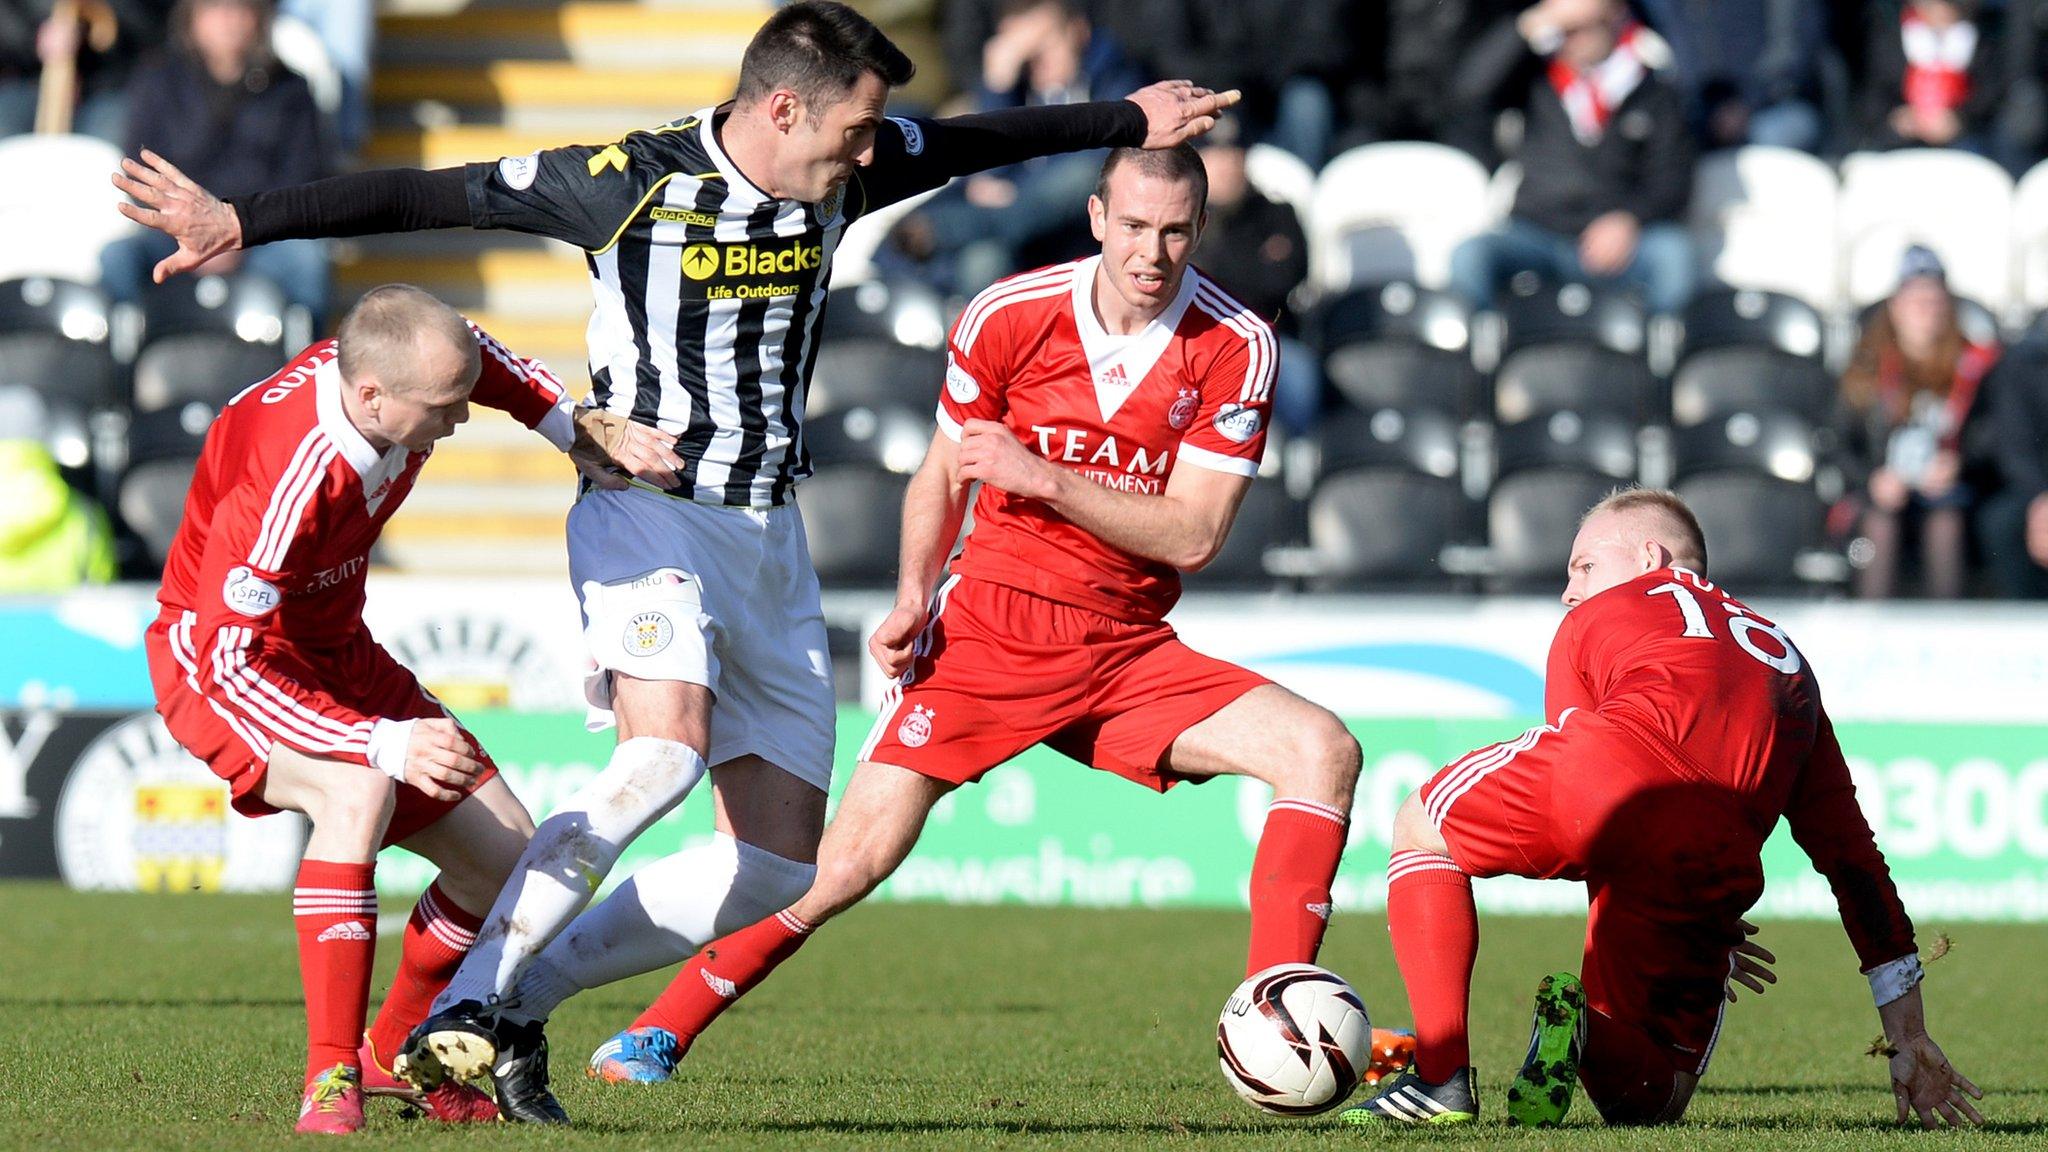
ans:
x=1927 y=1085
x=440 y=761
x=992 y=454
x=1749 y=964
x=609 y=448
x=891 y=643
x=168 y=201
x=1177 y=110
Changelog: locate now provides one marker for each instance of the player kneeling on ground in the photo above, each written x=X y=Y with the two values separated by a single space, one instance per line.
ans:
x=263 y=668
x=1683 y=727
x=1113 y=410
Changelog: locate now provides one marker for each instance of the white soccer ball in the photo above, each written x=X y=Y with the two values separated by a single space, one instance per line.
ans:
x=1294 y=1039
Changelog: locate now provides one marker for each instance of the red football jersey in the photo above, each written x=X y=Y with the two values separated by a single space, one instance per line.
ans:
x=271 y=553
x=1724 y=695
x=1193 y=388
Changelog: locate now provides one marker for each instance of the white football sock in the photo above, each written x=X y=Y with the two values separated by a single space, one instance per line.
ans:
x=569 y=856
x=659 y=917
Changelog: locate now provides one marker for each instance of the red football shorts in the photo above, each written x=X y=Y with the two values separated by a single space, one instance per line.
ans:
x=358 y=674
x=997 y=670
x=1671 y=862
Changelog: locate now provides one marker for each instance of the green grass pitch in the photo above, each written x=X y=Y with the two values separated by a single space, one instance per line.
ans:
x=159 y=1022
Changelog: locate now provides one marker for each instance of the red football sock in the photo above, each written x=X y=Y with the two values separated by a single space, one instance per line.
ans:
x=1627 y=1075
x=335 y=909
x=725 y=970
x=1291 y=875
x=1436 y=938
x=437 y=936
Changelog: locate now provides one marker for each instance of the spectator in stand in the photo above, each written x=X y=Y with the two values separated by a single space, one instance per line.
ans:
x=1424 y=41
x=1256 y=250
x=1606 y=156
x=1749 y=68
x=981 y=229
x=106 y=49
x=1905 y=399
x=348 y=30
x=52 y=538
x=221 y=108
x=2012 y=526
x=1932 y=79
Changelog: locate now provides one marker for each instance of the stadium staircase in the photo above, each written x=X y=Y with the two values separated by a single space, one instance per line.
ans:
x=457 y=82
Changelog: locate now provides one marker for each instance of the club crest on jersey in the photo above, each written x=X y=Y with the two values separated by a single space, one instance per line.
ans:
x=648 y=633
x=916 y=728
x=1182 y=413
x=1237 y=423
x=963 y=388
x=248 y=593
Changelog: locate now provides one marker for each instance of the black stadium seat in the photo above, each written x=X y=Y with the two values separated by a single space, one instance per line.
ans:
x=1756 y=526
x=1592 y=443
x=1747 y=318
x=853 y=515
x=54 y=338
x=1398 y=311
x=893 y=311
x=1531 y=518
x=1734 y=379
x=1577 y=377
x=891 y=437
x=1382 y=526
x=200 y=366
x=207 y=339
x=163 y=448
x=244 y=306
x=1423 y=441
x=852 y=373
x=1776 y=444
x=1406 y=375
x=1268 y=517
x=1571 y=314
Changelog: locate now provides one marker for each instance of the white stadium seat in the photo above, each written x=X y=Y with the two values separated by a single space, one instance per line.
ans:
x=1282 y=177
x=853 y=262
x=1395 y=212
x=1765 y=219
x=2030 y=238
x=1955 y=203
x=57 y=206
x=300 y=49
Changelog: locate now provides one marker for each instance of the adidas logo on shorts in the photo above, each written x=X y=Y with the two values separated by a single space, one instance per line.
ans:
x=346 y=930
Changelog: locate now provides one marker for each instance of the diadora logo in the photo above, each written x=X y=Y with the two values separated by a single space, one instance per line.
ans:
x=1182 y=413
x=725 y=989
x=916 y=729
x=346 y=930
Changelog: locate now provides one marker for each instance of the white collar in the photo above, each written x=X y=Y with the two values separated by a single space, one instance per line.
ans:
x=335 y=422
x=1118 y=364
x=734 y=178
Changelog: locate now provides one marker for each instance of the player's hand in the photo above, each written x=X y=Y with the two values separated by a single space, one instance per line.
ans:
x=1927 y=1085
x=1749 y=965
x=992 y=454
x=168 y=201
x=609 y=447
x=440 y=761
x=894 y=636
x=1177 y=110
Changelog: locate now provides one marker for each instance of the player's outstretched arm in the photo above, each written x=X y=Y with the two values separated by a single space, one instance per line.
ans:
x=1925 y=1084
x=933 y=507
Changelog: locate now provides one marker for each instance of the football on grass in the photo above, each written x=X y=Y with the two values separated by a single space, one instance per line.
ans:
x=1294 y=1039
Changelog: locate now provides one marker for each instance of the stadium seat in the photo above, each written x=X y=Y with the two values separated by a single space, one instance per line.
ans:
x=2030 y=238
x=1531 y=518
x=891 y=437
x=247 y=307
x=1747 y=317
x=1382 y=526
x=1575 y=377
x=299 y=47
x=1958 y=204
x=1394 y=212
x=63 y=428
x=163 y=450
x=1268 y=517
x=55 y=337
x=1722 y=381
x=1396 y=310
x=1393 y=345
x=1588 y=442
x=873 y=373
x=1420 y=440
x=853 y=262
x=853 y=517
x=1283 y=178
x=904 y=311
x=1765 y=218
x=57 y=206
x=1779 y=444
x=1570 y=313
x=169 y=433
x=197 y=366
x=1757 y=526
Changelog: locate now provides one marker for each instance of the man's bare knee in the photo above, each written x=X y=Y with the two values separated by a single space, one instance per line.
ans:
x=1330 y=759
x=355 y=801
x=665 y=709
x=1413 y=830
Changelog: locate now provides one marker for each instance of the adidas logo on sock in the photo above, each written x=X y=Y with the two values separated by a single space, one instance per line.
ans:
x=346 y=930
x=1322 y=910
x=726 y=989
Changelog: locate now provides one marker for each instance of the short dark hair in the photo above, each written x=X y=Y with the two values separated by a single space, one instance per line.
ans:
x=819 y=50
x=1179 y=163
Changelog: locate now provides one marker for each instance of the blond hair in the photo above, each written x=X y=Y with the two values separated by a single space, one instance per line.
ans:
x=1687 y=543
x=378 y=339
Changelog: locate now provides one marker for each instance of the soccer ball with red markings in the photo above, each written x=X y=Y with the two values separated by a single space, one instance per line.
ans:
x=1294 y=1040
